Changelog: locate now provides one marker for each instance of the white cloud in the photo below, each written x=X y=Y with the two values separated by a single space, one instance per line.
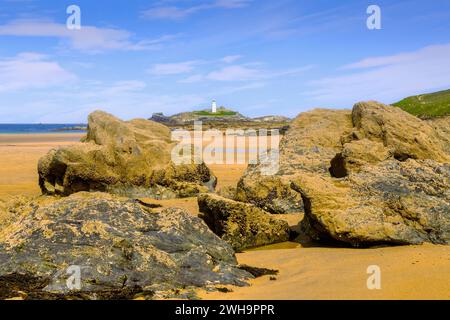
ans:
x=168 y=12
x=193 y=79
x=89 y=38
x=121 y=87
x=173 y=68
x=126 y=99
x=173 y=12
x=235 y=73
x=235 y=89
x=232 y=4
x=231 y=59
x=387 y=78
x=373 y=62
x=126 y=105
x=248 y=72
x=32 y=70
x=230 y=73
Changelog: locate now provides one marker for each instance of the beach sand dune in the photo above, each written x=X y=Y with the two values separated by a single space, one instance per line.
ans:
x=305 y=272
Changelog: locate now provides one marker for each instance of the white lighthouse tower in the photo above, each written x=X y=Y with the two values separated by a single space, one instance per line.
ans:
x=214 y=106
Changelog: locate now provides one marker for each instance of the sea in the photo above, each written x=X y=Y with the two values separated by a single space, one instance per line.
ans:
x=41 y=128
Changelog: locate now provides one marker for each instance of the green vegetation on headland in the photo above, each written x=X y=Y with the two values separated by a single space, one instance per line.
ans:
x=430 y=105
x=219 y=113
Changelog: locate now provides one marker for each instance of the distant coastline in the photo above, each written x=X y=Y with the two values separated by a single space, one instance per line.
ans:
x=42 y=128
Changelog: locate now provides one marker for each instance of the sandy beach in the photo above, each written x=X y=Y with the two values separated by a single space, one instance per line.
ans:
x=19 y=157
x=411 y=272
x=407 y=272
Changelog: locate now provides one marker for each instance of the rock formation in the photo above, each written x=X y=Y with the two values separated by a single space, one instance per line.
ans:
x=406 y=136
x=312 y=140
x=159 y=117
x=391 y=202
x=268 y=193
x=271 y=119
x=118 y=245
x=126 y=158
x=222 y=120
x=375 y=174
x=442 y=127
x=240 y=224
x=185 y=118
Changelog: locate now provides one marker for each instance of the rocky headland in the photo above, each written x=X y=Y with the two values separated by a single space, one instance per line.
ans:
x=223 y=119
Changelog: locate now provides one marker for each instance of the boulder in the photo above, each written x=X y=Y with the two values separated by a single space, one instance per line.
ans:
x=407 y=136
x=242 y=225
x=442 y=127
x=127 y=158
x=391 y=202
x=358 y=154
x=372 y=175
x=269 y=193
x=394 y=185
x=161 y=118
x=312 y=140
x=271 y=119
x=119 y=247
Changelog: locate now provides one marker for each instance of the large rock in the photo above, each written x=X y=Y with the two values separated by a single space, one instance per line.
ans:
x=405 y=135
x=394 y=186
x=358 y=154
x=442 y=127
x=240 y=224
x=391 y=202
x=269 y=193
x=371 y=175
x=312 y=140
x=127 y=158
x=119 y=246
x=161 y=118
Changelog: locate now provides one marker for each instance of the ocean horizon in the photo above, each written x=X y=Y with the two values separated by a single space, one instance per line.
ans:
x=30 y=128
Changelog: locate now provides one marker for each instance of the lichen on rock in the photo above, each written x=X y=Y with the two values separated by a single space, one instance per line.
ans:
x=371 y=175
x=118 y=245
x=126 y=158
x=240 y=224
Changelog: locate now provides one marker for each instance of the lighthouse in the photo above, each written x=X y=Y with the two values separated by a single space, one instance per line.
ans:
x=214 y=107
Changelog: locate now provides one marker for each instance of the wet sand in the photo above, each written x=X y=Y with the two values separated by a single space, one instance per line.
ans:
x=407 y=272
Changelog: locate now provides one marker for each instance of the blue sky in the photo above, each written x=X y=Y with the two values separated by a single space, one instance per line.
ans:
x=135 y=57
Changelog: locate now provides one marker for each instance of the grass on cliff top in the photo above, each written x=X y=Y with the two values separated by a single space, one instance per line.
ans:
x=430 y=105
x=219 y=113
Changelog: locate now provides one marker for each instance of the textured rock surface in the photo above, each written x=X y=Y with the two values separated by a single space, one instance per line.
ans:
x=442 y=127
x=392 y=202
x=394 y=187
x=119 y=245
x=127 y=158
x=371 y=175
x=312 y=140
x=357 y=154
x=241 y=225
x=268 y=193
x=405 y=135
